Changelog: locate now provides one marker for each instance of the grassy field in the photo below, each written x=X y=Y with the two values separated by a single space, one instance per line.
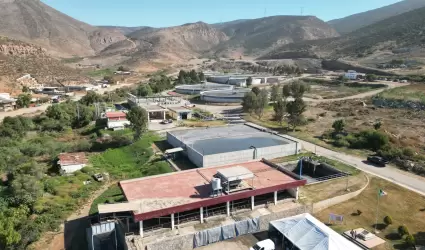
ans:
x=72 y=59
x=404 y=206
x=415 y=92
x=313 y=193
x=334 y=90
x=112 y=195
x=100 y=73
x=132 y=161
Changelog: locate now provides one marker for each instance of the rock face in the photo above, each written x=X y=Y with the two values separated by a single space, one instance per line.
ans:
x=34 y=22
x=21 y=50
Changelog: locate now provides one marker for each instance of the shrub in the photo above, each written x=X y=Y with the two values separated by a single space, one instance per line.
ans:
x=341 y=143
x=388 y=220
x=409 y=152
x=338 y=126
x=390 y=153
x=410 y=240
x=402 y=230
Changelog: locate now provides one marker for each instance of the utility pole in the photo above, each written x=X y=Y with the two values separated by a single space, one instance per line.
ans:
x=78 y=111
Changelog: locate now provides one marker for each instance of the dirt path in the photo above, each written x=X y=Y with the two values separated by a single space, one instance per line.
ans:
x=56 y=240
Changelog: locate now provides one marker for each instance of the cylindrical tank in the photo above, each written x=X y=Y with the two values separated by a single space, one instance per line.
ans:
x=216 y=184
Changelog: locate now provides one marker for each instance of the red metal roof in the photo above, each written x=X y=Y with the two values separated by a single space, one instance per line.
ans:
x=182 y=191
x=66 y=159
x=116 y=114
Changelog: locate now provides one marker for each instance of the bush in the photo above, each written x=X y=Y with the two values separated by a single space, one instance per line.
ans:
x=388 y=220
x=410 y=240
x=390 y=152
x=402 y=230
x=341 y=143
x=408 y=152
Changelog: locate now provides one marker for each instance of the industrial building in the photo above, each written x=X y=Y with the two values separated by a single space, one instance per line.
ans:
x=217 y=146
x=171 y=200
x=180 y=113
x=198 y=88
x=224 y=96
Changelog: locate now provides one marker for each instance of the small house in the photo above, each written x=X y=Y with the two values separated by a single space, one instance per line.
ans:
x=71 y=162
x=117 y=120
x=180 y=113
x=6 y=102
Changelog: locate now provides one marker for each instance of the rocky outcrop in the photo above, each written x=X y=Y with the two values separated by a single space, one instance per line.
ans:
x=398 y=104
x=410 y=166
x=21 y=50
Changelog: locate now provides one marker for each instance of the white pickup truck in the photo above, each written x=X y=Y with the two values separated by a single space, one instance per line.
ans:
x=264 y=245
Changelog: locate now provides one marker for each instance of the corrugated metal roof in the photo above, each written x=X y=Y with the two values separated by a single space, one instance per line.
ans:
x=72 y=158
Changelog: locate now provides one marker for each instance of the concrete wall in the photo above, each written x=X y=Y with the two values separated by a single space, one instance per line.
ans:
x=195 y=157
x=118 y=124
x=218 y=99
x=277 y=151
x=171 y=139
x=293 y=192
x=72 y=168
x=228 y=158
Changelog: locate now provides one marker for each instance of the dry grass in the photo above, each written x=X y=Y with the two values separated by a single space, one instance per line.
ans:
x=404 y=206
x=414 y=92
x=199 y=123
x=322 y=191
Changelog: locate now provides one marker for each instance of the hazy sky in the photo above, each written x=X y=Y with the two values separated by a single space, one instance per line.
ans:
x=161 y=13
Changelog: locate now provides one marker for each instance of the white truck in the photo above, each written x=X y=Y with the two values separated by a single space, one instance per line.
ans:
x=264 y=245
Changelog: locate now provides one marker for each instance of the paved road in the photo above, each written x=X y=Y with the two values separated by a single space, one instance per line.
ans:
x=402 y=178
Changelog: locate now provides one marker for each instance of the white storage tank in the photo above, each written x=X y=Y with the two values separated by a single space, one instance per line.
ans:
x=216 y=184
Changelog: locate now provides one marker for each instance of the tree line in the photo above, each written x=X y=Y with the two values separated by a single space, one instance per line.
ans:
x=190 y=77
x=256 y=101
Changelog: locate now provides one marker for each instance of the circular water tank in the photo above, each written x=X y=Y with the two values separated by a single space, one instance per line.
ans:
x=216 y=184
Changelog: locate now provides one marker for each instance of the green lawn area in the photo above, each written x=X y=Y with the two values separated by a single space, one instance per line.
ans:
x=403 y=206
x=414 y=92
x=100 y=73
x=72 y=59
x=112 y=195
x=132 y=161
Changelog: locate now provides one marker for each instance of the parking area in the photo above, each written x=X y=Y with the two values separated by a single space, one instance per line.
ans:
x=239 y=243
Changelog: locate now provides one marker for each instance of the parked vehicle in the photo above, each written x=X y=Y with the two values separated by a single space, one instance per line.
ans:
x=98 y=177
x=165 y=122
x=264 y=245
x=377 y=160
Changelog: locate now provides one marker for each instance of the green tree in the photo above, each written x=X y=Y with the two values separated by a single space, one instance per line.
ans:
x=298 y=89
x=377 y=125
x=10 y=220
x=262 y=103
x=286 y=92
x=144 y=90
x=90 y=98
x=295 y=109
x=138 y=118
x=249 y=102
x=338 y=126
x=388 y=220
x=25 y=189
x=275 y=93
x=109 y=79
x=410 y=240
x=256 y=90
x=194 y=76
x=371 y=77
x=122 y=68
x=249 y=81
x=402 y=231
x=201 y=76
x=23 y=100
x=25 y=89
x=279 y=108
x=83 y=116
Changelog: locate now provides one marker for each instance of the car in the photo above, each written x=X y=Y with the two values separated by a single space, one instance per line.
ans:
x=165 y=122
x=263 y=245
x=377 y=160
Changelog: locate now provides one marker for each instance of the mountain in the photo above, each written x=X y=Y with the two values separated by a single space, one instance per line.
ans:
x=167 y=44
x=35 y=22
x=256 y=36
x=125 y=30
x=357 y=21
x=398 y=34
x=18 y=58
